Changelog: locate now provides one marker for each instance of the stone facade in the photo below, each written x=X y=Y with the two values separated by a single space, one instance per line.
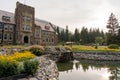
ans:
x=23 y=28
x=7 y=28
x=24 y=19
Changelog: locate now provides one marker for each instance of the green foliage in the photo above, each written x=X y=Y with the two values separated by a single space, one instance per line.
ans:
x=9 y=68
x=99 y=40
x=113 y=36
x=30 y=67
x=66 y=34
x=76 y=35
x=84 y=35
x=36 y=50
x=88 y=35
x=68 y=48
x=113 y=46
x=96 y=46
x=58 y=32
x=113 y=24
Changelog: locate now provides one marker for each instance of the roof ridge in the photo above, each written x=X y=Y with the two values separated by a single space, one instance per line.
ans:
x=7 y=12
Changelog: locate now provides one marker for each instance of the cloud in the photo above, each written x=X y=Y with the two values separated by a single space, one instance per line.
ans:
x=76 y=13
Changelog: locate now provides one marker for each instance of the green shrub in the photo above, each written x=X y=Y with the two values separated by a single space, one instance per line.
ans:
x=68 y=48
x=36 y=50
x=96 y=46
x=9 y=68
x=31 y=66
x=113 y=46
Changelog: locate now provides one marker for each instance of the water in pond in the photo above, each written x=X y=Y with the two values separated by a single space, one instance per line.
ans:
x=89 y=70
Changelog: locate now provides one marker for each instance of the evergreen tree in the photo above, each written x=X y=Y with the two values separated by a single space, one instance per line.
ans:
x=58 y=32
x=62 y=36
x=76 y=35
x=67 y=34
x=113 y=24
x=113 y=27
x=84 y=36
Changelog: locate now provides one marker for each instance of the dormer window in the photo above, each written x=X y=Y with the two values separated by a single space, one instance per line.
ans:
x=47 y=27
x=6 y=18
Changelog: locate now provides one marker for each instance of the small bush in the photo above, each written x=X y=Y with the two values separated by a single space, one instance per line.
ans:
x=96 y=46
x=68 y=48
x=36 y=50
x=113 y=46
x=30 y=67
x=9 y=68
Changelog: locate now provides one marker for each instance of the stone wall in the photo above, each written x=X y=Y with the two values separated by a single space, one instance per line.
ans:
x=97 y=55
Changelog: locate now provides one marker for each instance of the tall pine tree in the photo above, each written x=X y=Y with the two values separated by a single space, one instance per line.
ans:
x=67 y=34
x=76 y=35
x=113 y=28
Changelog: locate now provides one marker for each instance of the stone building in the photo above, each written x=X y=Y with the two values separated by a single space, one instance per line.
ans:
x=7 y=28
x=23 y=28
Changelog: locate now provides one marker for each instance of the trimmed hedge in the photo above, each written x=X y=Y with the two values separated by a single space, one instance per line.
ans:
x=113 y=46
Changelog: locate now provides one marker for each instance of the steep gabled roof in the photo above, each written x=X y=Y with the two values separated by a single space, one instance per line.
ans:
x=9 y=14
x=38 y=22
x=43 y=25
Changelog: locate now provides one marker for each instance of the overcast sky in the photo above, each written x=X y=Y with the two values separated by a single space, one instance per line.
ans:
x=74 y=13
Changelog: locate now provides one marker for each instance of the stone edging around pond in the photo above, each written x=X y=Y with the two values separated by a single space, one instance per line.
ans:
x=113 y=56
x=47 y=70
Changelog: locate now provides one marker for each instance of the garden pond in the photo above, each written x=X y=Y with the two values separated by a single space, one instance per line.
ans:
x=89 y=70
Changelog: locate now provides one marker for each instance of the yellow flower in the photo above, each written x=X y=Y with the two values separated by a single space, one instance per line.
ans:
x=18 y=56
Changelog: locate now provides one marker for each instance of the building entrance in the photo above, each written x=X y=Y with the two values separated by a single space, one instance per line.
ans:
x=26 y=39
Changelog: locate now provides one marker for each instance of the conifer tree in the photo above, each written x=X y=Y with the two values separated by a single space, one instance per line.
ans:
x=113 y=29
x=113 y=25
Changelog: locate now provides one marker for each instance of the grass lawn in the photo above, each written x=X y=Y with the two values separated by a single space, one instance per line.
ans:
x=92 y=48
x=75 y=48
x=13 y=46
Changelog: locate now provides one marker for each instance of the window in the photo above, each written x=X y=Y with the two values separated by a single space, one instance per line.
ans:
x=26 y=19
x=47 y=40
x=52 y=40
x=26 y=28
x=6 y=27
x=11 y=28
x=5 y=36
x=1 y=26
x=0 y=36
x=43 y=40
x=10 y=36
x=37 y=32
x=6 y=18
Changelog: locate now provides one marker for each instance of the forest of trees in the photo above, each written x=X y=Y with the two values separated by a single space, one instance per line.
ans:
x=93 y=35
x=85 y=36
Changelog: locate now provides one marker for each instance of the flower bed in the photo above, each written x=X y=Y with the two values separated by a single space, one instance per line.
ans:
x=10 y=64
x=78 y=48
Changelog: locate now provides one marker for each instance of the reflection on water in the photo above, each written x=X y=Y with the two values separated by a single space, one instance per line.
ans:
x=89 y=70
